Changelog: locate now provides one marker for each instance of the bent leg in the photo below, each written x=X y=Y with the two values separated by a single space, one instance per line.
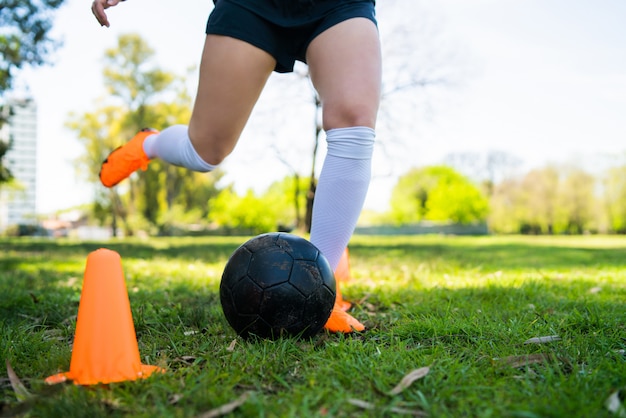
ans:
x=232 y=76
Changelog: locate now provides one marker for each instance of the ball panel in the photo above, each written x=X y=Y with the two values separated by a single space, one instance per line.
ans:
x=298 y=247
x=228 y=305
x=239 y=322
x=270 y=266
x=305 y=276
x=246 y=295
x=259 y=328
x=261 y=241
x=282 y=306
x=236 y=267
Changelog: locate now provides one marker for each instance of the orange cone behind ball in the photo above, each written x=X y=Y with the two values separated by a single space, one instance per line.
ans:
x=105 y=345
x=340 y=320
x=342 y=275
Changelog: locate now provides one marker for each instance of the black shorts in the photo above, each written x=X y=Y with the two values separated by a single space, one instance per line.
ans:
x=283 y=28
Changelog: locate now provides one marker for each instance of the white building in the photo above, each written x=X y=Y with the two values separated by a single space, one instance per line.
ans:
x=18 y=202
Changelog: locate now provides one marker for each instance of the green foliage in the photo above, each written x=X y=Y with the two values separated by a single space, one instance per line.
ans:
x=280 y=207
x=24 y=38
x=288 y=197
x=615 y=198
x=130 y=76
x=248 y=213
x=437 y=193
x=545 y=201
x=462 y=306
x=5 y=173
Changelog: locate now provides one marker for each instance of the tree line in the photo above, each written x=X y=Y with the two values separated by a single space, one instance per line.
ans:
x=553 y=199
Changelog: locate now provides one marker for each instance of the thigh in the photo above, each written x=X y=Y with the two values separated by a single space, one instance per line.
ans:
x=345 y=67
x=232 y=76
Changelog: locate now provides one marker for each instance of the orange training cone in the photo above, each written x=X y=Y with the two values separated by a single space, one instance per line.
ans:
x=342 y=274
x=105 y=345
x=340 y=320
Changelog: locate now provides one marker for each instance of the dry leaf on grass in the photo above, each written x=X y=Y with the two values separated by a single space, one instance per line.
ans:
x=361 y=404
x=396 y=410
x=232 y=345
x=227 y=408
x=615 y=403
x=409 y=379
x=525 y=360
x=186 y=360
x=543 y=340
x=18 y=387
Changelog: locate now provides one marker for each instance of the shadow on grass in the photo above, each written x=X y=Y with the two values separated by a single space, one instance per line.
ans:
x=495 y=255
x=208 y=250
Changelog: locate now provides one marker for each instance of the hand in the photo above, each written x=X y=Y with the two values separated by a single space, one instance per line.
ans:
x=98 y=7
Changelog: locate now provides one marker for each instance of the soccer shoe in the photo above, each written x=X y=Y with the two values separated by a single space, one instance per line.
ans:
x=341 y=321
x=125 y=160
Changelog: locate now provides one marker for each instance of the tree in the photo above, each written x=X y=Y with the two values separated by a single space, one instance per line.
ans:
x=437 y=193
x=506 y=211
x=551 y=199
x=248 y=214
x=287 y=197
x=490 y=168
x=5 y=174
x=141 y=95
x=540 y=199
x=274 y=209
x=24 y=38
x=615 y=198
x=577 y=202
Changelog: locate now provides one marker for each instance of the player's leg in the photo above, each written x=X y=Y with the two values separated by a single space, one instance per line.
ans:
x=345 y=68
x=232 y=76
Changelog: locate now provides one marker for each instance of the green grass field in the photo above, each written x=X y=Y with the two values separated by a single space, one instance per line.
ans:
x=462 y=306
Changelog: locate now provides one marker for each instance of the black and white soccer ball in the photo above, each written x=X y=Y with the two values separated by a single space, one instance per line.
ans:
x=277 y=284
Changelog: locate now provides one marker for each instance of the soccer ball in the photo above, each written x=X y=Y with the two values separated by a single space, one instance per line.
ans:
x=277 y=284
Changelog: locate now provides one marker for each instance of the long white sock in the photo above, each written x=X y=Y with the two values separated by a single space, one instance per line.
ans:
x=341 y=189
x=173 y=146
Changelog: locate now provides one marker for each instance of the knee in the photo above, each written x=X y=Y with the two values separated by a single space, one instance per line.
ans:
x=211 y=148
x=349 y=113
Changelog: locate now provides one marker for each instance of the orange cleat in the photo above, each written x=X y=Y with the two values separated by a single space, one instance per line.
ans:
x=341 y=321
x=125 y=160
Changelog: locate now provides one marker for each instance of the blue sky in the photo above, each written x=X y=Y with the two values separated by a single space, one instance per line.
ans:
x=544 y=80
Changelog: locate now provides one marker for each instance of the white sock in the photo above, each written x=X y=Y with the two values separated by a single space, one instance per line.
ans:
x=173 y=146
x=341 y=189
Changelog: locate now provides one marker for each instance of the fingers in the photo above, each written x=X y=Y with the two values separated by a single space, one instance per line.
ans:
x=98 y=7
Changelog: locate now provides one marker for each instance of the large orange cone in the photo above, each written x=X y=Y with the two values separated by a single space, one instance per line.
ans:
x=342 y=275
x=105 y=345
